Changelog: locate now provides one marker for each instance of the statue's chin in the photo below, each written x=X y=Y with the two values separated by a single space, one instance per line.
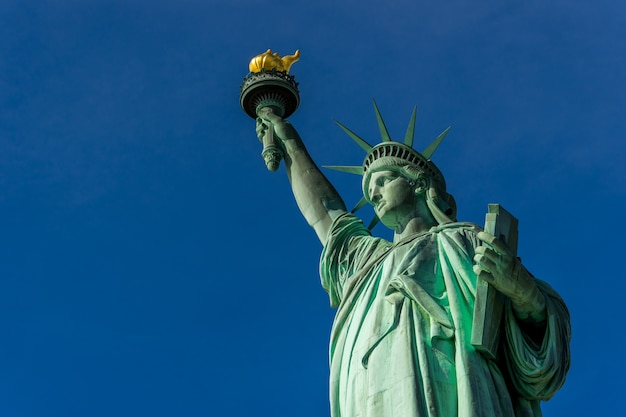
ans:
x=384 y=219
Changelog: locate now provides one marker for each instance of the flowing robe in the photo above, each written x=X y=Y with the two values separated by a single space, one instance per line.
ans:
x=400 y=342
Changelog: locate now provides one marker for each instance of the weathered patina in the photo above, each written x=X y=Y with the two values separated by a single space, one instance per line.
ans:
x=401 y=342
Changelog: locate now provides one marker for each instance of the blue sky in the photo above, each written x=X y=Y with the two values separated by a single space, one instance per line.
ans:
x=151 y=265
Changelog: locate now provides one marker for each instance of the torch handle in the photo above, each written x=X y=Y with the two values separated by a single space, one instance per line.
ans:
x=272 y=152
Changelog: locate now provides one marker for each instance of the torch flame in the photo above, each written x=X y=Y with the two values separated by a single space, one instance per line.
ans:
x=272 y=61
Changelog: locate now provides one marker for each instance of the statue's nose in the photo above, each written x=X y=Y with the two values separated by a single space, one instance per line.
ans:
x=375 y=195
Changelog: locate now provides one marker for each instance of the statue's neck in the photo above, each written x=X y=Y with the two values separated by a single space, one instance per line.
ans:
x=415 y=225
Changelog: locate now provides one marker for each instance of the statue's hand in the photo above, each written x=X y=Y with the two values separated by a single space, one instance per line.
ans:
x=496 y=265
x=283 y=130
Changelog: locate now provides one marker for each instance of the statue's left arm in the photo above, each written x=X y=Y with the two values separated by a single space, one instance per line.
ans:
x=537 y=322
x=496 y=265
x=537 y=355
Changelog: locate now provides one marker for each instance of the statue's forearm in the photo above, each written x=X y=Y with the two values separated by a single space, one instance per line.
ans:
x=532 y=305
x=316 y=197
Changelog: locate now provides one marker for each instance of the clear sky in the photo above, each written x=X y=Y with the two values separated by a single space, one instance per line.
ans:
x=150 y=265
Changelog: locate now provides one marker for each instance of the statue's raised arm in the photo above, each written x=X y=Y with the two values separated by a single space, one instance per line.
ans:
x=316 y=197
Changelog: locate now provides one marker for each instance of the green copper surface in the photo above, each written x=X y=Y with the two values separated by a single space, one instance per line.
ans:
x=384 y=133
x=410 y=131
x=402 y=341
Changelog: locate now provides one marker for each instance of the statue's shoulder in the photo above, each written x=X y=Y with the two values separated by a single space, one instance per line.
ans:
x=460 y=227
x=464 y=234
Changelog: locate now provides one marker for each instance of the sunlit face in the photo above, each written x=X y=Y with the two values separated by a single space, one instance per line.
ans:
x=392 y=196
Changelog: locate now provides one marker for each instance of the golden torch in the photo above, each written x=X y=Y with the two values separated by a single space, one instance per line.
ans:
x=269 y=85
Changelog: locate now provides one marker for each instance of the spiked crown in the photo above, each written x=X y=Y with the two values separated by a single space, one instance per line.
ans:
x=389 y=154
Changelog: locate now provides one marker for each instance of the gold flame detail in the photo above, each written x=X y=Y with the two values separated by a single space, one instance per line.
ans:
x=271 y=60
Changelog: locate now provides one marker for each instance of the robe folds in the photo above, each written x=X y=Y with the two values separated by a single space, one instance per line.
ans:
x=400 y=342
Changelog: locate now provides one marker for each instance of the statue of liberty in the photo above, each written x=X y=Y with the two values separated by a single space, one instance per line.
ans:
x=400 y=343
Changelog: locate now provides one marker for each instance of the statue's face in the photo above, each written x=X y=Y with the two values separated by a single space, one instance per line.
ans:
x=392 y=196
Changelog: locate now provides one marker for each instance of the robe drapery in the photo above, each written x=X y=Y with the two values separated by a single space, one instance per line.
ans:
x=400 y=342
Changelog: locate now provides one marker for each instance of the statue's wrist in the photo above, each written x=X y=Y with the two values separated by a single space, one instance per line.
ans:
x=531 y=309
x=293 y=145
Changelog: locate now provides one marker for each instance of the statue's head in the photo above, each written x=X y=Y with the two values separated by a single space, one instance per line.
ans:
x=410 y=164
x=401 y=158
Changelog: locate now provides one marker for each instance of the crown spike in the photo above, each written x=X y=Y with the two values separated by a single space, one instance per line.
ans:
x=362 y=202
x=358 y=170
x=410 y=131
x=384 y=133
x=430 y=150
x=363 y=144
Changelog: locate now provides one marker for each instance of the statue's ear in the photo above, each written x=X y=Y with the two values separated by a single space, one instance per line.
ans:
x=421 y=185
